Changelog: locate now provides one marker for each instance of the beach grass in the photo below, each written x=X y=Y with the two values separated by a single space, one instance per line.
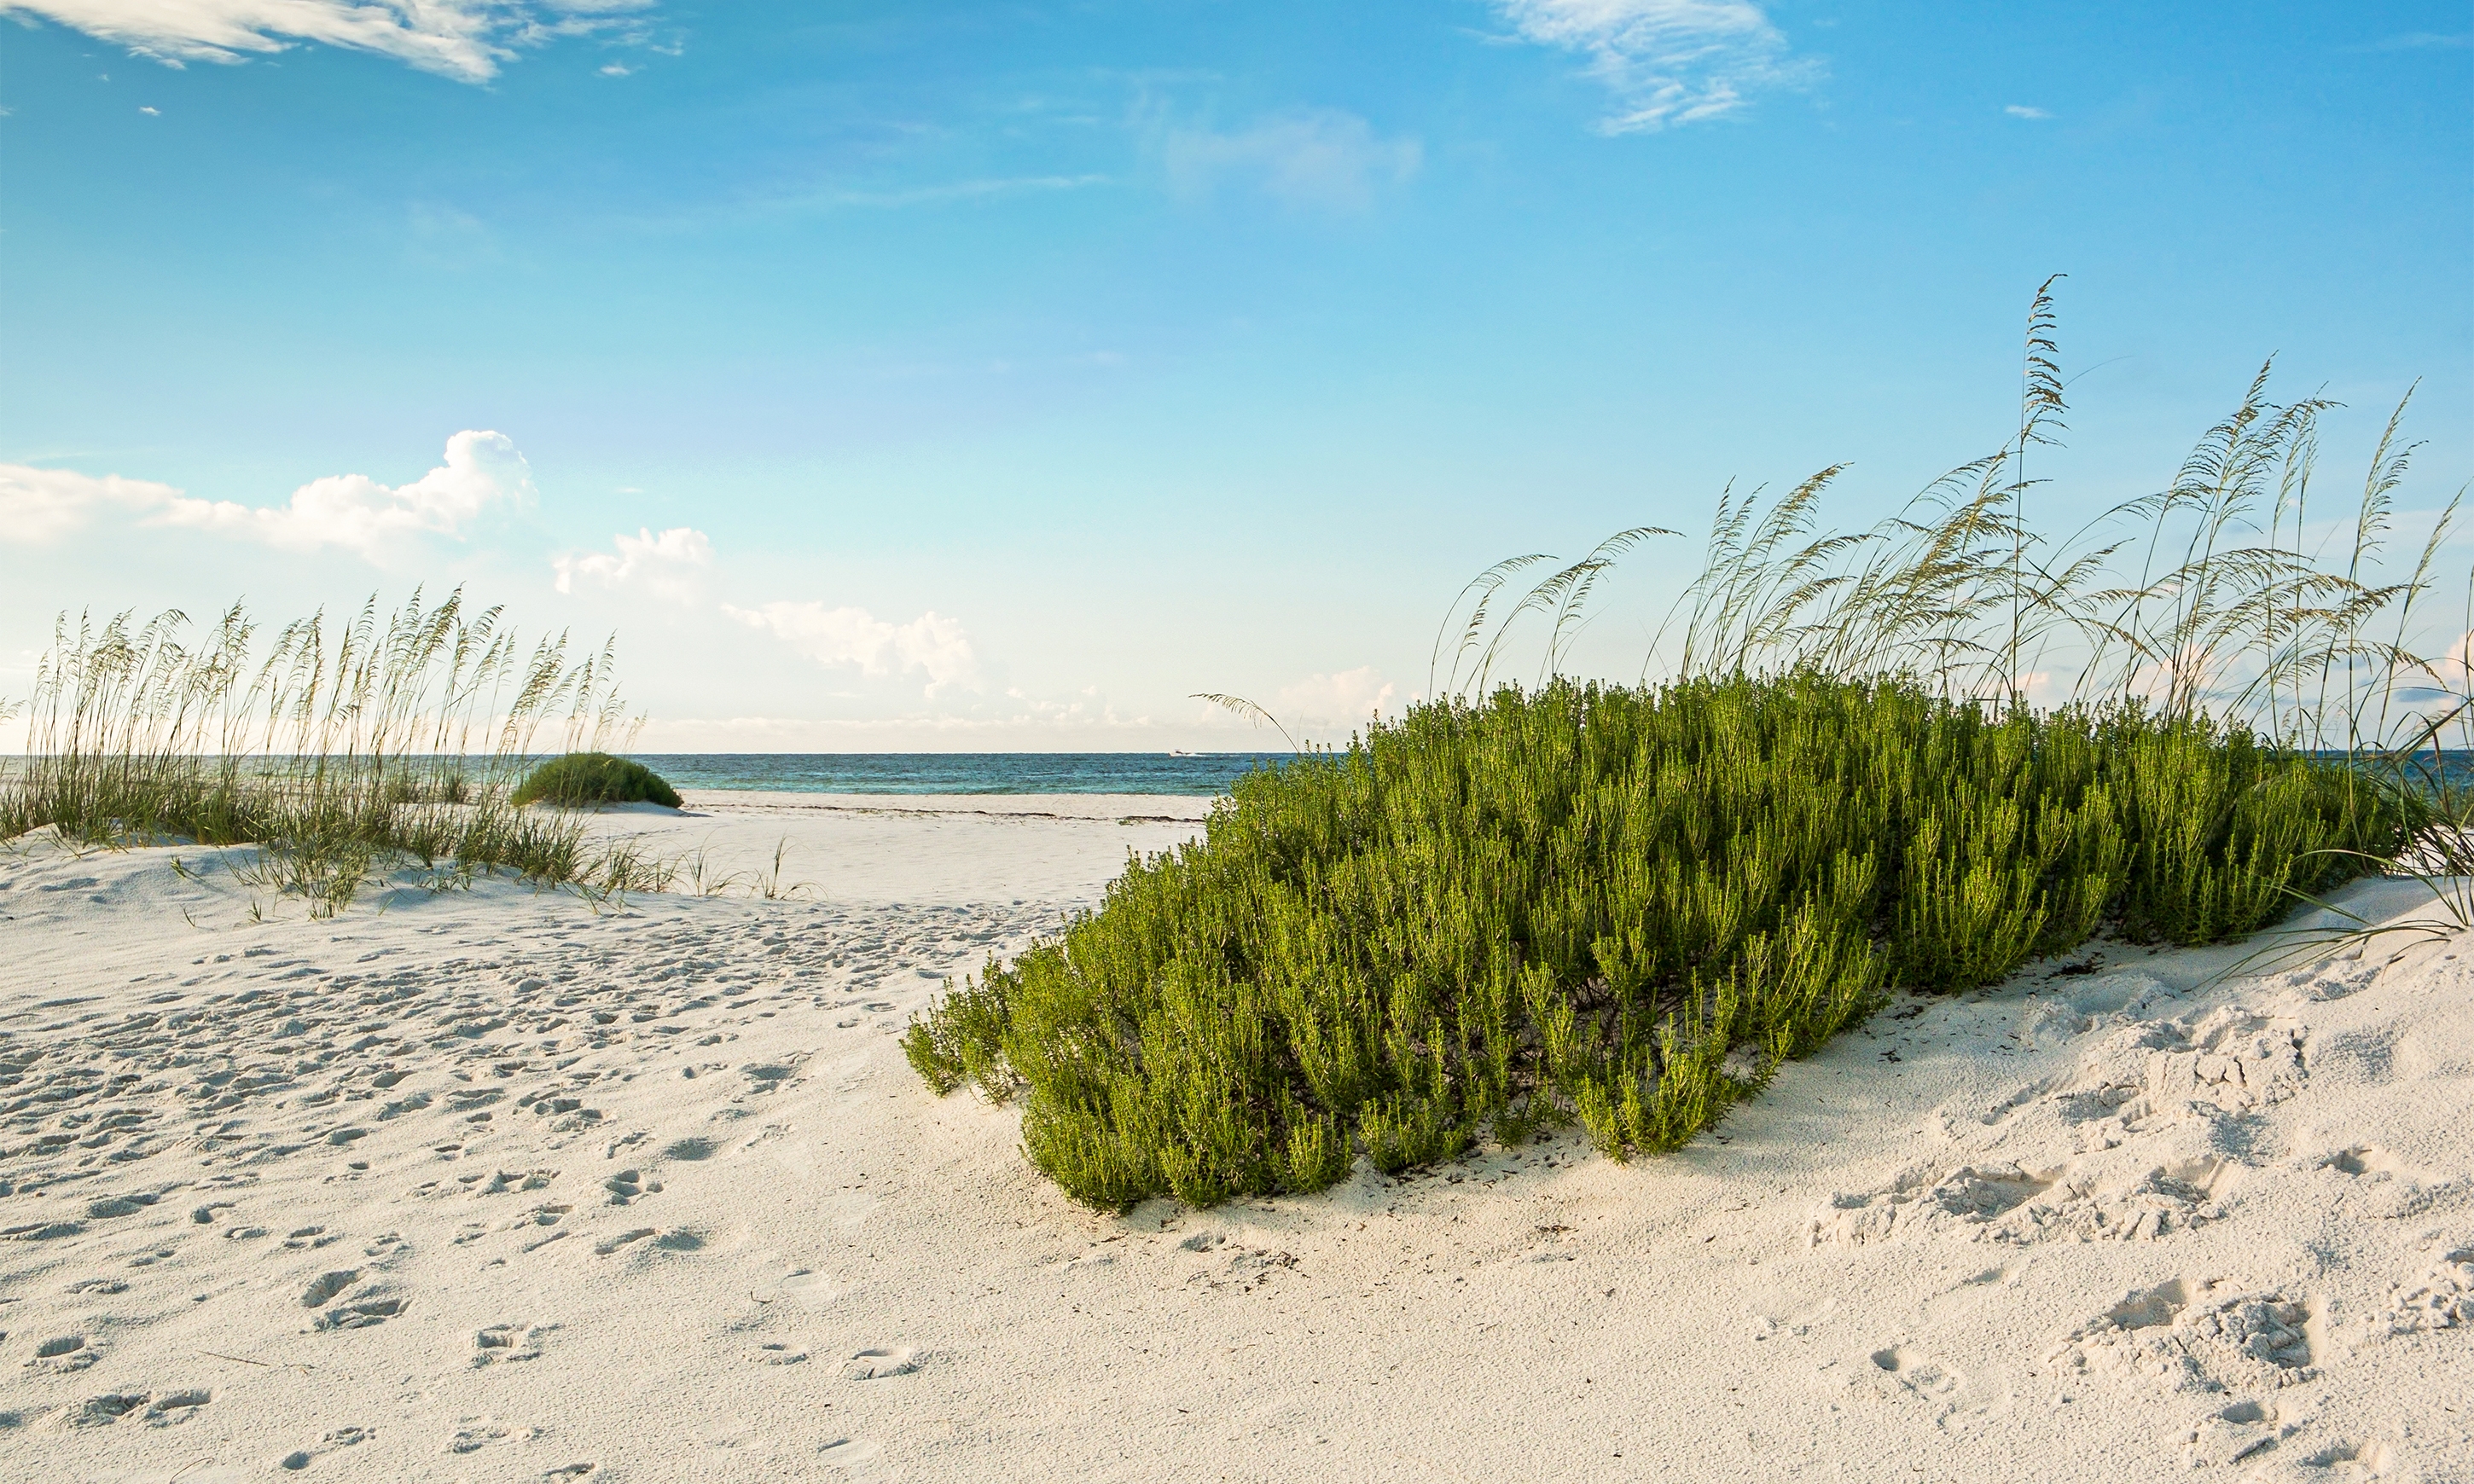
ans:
x=340 y=750
x=1915 y=756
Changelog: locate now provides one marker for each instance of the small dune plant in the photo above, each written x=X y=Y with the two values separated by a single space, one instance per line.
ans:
x=583 y=780
x=338 y=750
x=1626 y=905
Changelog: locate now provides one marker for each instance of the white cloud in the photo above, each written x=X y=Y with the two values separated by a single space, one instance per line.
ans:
x=1317 y=157
x=41 y=504
x=1348 y=699
x=358 y=513
x=930 y=643
x=669 y=566
x=1668 y=61
x=351 y=511
x=2021 y=111
x=466 y=39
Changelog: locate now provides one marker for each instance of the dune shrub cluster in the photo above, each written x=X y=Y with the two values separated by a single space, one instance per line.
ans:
x=1622 y=907
x=580 y=780
x=1915 y=756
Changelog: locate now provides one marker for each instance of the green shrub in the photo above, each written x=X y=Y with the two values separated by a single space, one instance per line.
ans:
x=1621 y=906
x=581 y=778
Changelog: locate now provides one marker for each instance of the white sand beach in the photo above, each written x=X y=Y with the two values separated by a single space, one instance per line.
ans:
x=502 y=1184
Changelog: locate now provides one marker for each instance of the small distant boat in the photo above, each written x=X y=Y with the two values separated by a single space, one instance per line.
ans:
x=1178 y=752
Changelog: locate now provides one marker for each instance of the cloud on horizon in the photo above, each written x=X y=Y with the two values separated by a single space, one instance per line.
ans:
x=481 y=470
x=463 y=40
x=1667 y=61
x=930 y=643
x=39 y=506
x=1349 y=699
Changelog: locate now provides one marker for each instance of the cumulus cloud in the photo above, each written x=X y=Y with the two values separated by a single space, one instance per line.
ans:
x=669 y=566
x=1668 y=61
x=930 y=643
x=359 y=514
x=465 y=39
x=1348 y=699
x=39 y=506
x=1319 y=158
x=353 y=512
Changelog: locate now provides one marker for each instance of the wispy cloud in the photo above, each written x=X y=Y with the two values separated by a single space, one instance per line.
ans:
x=1345 y=701
x=1321 y=157
x=1667 y=61
x=2419 y=41
x=930 y=644
x=2023 y=110
x=965 y=190
x=466 y=39
x=669 y=566
x=351 y=512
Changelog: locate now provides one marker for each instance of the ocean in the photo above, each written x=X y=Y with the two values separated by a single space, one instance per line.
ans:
x=1202 y=773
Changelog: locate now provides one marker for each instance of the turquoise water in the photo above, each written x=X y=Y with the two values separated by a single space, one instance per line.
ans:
x=957 y=773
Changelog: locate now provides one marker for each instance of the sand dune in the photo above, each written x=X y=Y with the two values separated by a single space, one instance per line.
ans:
x=495 y=1185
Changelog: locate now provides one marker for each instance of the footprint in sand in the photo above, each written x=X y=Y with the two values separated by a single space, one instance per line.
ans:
x=2441 y=1297
x=849 y=1457
x=359 y=1307
x=610 y=1244
x=175 y=1407
x=779 y=1354
x=475 y=1433
x=129 y=1205
x=543 y=1215
x=2231 y=1435
x=629 y=1186
x=2199 y=1337
x=2382 y=1186
x=329 y=1284
x=871 y=1365
x=104 y=1410
x=2342 y=1462
x=812 y=1290
x=508 y=1343
x=1902 y=1370
x=1922 y=1200
x=332 y=1443
x=63 y=1355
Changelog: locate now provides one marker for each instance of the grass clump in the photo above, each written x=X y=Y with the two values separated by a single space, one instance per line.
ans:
x=1619 y=905
x=1916 y=756
x=579 y=780
x=338 y=751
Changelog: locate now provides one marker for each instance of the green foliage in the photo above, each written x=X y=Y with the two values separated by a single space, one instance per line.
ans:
x=581 y=778
x=336 y=750
x=1621 y=906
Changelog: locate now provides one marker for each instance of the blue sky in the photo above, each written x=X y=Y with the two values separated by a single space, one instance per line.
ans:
x=995 y=376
